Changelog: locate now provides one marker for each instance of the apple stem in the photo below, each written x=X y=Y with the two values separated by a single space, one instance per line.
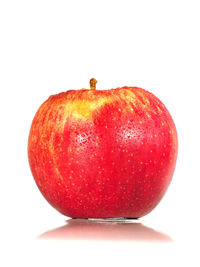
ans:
x=93 y=82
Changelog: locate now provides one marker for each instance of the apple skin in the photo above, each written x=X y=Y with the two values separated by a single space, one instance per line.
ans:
x=103 y=153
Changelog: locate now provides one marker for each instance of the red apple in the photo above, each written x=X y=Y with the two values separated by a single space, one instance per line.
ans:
x=103 y=154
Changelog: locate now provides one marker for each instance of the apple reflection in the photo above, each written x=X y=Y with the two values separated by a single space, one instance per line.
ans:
x=112 y=230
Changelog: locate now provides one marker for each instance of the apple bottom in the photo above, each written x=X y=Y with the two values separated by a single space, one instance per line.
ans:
x=130 y=204
x=105 y=210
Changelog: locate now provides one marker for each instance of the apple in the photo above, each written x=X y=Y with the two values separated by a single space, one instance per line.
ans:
x=103 y=153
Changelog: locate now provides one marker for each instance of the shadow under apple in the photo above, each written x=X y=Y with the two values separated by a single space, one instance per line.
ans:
x=111 y=230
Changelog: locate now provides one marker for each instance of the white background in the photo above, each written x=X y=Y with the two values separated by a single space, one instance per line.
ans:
x=52 y=46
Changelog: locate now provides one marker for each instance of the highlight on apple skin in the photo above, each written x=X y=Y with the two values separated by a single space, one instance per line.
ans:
x=103 y=153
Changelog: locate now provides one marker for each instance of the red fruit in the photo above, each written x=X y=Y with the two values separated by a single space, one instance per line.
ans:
x=103 y=154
